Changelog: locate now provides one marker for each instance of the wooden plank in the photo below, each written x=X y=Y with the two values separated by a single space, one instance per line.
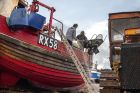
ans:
x=22 y=53
x=124 y=15
x=110 y=90
x=40 y=61
x=107 y=71
x=109 y=75
x=109 y=83
x=33 y=48
x=56 y=54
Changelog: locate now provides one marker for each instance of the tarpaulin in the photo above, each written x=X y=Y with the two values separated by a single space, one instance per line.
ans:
x=6 y=7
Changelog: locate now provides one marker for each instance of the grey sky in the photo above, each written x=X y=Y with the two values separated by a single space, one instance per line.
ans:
x=92 y=16
x=85 y=12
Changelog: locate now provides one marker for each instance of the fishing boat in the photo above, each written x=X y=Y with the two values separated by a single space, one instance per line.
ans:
x=27 y=55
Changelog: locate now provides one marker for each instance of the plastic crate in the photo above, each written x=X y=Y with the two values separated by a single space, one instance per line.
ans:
x=36 y=21
x=19 y=18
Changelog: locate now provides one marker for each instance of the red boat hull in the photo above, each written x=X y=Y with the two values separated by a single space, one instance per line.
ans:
x=21 y=57
x=36 y=73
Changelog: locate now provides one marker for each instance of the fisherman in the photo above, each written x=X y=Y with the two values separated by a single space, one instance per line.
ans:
x=71 y=33
x=82 y=39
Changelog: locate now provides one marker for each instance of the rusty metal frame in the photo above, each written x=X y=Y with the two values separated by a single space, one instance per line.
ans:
x=52 y=10
x=114 y=16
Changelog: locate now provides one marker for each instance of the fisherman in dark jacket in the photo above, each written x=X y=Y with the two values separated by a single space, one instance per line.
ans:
x=71 y=33
x=82 y=39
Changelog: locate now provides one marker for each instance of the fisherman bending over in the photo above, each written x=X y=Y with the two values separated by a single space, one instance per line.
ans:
x=82 y=39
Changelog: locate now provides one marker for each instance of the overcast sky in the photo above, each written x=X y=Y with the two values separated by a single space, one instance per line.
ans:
x=92 y=17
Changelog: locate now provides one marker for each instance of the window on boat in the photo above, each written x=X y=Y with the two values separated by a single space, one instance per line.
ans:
x=117 y=27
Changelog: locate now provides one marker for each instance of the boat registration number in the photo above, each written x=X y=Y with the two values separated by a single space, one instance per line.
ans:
x=48 y=41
